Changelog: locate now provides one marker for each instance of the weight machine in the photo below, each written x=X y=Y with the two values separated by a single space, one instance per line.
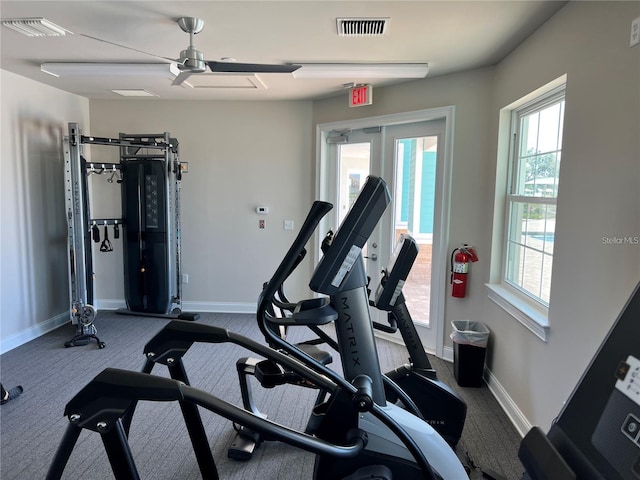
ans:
x=149 y=173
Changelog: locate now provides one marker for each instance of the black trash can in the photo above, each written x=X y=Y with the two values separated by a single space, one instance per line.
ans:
x=469 y=352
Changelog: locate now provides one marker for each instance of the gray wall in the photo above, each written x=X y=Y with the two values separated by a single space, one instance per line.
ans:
x=599 y=196
x=33 y=285
x=471 y=188
x=242 y=155
x=599 y=193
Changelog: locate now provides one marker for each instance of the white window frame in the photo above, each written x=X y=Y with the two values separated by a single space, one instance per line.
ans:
x=531 y=311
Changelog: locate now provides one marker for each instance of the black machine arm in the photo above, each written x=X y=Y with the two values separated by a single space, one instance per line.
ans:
x=391 y=328
x=175 y=339
x=310 y=312
x=111 y=393
x=318 y=211
x=101 y=404
x=272 y=429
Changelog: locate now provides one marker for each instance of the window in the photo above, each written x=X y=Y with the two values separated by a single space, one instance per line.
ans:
x=531 y=195
x=529 y=157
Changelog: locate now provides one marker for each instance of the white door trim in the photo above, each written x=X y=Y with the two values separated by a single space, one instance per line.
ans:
x=443 y=190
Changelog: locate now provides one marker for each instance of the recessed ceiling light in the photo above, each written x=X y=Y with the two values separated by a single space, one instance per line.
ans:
x=35 y=27
x=135 y=93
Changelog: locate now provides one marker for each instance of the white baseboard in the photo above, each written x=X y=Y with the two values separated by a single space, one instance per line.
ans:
x=39 y=329
x=512 y=411
x=33 y=332
x=219 y=307
x=389 y=337
x=106 y=304
x=508 y=405
x=214 y=307
x=447 y=354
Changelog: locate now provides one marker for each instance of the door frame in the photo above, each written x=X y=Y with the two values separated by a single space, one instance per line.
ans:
x=443 y=193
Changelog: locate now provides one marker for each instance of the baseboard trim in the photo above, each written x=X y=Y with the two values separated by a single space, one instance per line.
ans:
x=33 y=332
x=510 y=407
x=503 y=398
x=447 y=354
x=209 y=307
x=106 y=304
x=219 y=307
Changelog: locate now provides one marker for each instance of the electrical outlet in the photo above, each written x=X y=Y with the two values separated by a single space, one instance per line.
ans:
x=635 y=32
x=185 y=278
x=288 y=224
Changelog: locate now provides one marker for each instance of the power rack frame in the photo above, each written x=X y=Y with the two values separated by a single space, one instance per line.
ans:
x=150 y=175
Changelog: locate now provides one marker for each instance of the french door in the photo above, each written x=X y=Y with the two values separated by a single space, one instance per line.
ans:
x=412 y=158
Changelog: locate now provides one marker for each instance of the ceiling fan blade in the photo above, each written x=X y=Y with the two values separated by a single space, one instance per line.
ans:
x=234 y=67
x=182 y=76
x=128 y=48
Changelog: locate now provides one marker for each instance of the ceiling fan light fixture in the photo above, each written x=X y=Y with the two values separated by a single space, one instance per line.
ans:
x=168 y=70
x=35 y=27
x=362 y=70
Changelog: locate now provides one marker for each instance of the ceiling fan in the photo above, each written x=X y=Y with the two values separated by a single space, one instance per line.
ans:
x=191 y=60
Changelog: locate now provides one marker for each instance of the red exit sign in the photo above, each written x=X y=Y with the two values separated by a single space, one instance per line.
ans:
x=360 y=95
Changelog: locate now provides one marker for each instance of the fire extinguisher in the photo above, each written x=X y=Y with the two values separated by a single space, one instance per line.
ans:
x=460 y=258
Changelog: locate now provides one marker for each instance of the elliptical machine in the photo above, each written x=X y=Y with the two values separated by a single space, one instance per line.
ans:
x=438 y=403
x=340 y=274
x=414 y=386
x=358 y=435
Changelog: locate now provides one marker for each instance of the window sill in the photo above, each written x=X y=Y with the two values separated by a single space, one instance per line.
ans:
x=532 y=317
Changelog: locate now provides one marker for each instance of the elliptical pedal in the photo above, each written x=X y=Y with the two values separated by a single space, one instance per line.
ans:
x=244 y=444
x=371 y=472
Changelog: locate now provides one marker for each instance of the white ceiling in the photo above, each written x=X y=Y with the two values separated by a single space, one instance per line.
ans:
x=451 y=36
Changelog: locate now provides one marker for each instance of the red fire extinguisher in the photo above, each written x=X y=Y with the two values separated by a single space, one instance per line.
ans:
x=460 y=258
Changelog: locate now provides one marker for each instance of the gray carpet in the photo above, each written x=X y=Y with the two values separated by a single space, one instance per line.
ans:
x=32 y=425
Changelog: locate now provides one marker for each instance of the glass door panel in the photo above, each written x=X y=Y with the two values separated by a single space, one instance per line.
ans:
x=414 y=200
x=410 y=158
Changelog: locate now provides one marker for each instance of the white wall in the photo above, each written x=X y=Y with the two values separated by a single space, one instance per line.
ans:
x=599 y=196
x=599 y=192
x=33 y=285
x=241 y=155
x=470 y=92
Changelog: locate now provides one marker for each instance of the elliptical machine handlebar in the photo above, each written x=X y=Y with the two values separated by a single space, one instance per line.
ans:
x=315 y=311
x=293 y=256
x=391 y=328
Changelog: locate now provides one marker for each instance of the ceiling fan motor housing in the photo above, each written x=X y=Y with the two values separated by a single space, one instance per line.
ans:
x=193 y=60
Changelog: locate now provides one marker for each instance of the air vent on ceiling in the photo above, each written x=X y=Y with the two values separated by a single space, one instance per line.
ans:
x=362 y=27
x=35 y=27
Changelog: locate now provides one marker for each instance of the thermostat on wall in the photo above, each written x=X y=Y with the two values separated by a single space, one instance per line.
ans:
x=262 y=210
